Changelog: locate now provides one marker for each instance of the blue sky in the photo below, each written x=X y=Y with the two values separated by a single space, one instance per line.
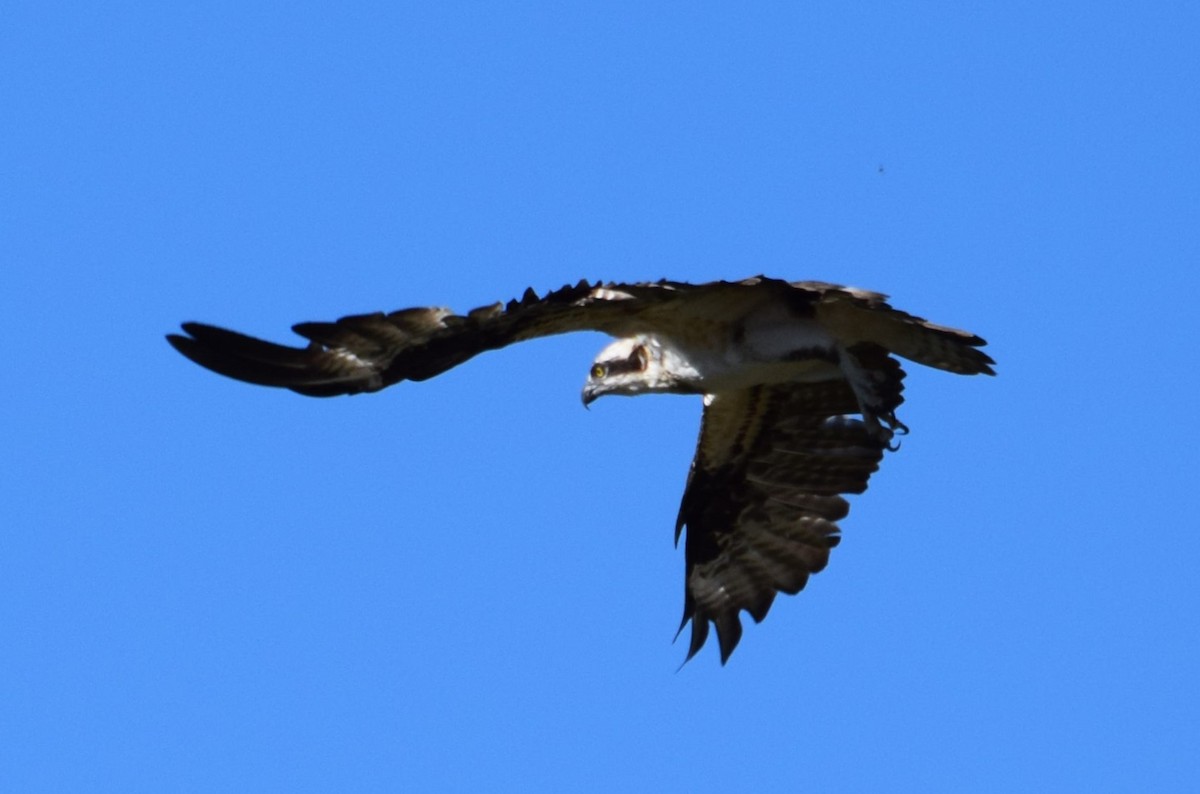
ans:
x=469 y=583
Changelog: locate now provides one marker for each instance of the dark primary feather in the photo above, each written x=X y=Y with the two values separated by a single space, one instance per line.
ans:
x=764 y=493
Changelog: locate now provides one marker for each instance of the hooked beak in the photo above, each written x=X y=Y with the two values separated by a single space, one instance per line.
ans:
x=590 y=393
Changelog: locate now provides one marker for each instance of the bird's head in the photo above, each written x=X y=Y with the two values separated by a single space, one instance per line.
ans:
x=632 y=366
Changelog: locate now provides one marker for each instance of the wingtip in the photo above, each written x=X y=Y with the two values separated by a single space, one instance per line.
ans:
x=727 y=637
x=236 y=355
x=698 y=638
x=185 y=345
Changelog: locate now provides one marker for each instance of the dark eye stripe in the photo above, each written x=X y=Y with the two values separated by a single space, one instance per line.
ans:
x=636 y=362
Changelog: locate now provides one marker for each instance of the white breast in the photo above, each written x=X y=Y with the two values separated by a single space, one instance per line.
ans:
x=768 y=348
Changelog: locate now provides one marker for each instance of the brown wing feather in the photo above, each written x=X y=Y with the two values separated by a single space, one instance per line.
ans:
x=368 y=352
x=764 y=491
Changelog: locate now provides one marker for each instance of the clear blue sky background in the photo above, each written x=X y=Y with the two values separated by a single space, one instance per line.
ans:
x=470 y=582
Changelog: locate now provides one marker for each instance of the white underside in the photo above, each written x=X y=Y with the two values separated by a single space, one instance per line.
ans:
x=764 y=354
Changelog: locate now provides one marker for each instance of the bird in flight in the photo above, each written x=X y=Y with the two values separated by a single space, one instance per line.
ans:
x=799 y=381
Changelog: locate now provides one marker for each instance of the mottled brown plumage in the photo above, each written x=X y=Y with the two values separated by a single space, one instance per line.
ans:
x=782 y=366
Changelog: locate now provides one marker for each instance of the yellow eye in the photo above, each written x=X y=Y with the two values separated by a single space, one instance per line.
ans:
x=597 y=371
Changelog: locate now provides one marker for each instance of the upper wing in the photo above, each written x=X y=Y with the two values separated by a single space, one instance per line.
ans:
x=763 y=493
x=368 y=352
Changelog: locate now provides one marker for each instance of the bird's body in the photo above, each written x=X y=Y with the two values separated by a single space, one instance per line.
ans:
x=782 y=367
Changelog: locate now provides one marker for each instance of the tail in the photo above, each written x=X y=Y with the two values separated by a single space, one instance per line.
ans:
x=855 y=319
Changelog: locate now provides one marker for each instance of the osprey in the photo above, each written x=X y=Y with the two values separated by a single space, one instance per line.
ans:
x=784 y=369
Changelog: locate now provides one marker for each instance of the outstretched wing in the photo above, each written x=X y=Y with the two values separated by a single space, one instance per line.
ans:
x=764 y=491
x=368 y=352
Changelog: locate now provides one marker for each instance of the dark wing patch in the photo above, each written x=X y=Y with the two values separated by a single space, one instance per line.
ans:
x=764 y=494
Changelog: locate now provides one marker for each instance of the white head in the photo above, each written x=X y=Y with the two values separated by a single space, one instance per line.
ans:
x=637 y=365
